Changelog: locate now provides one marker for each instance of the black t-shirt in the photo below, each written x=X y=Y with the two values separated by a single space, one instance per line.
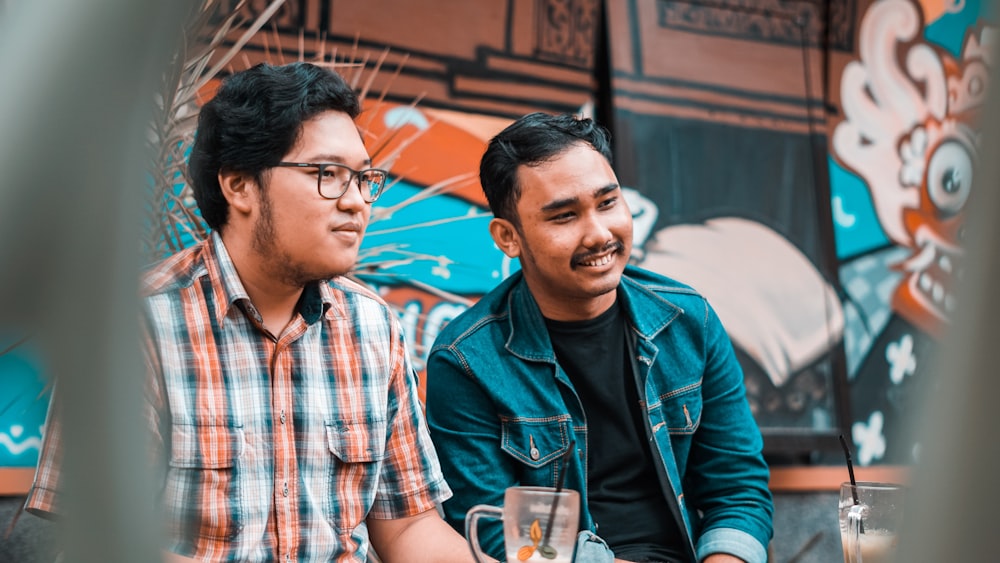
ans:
x=623 y=493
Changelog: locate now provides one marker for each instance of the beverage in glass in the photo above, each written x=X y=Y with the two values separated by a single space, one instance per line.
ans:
x=870 y=518
x=539 y=524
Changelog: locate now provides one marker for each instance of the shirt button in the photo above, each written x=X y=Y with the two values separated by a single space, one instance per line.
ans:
x=284 y=490
x=282 y=417
x=534 y=454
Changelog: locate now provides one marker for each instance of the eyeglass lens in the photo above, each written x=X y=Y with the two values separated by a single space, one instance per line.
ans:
x=335 y=179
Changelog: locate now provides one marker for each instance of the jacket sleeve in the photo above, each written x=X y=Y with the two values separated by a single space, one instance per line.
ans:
x=726 y=475
x=466 y=430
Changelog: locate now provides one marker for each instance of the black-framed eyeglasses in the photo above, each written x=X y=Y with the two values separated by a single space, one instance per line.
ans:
x=332 y=179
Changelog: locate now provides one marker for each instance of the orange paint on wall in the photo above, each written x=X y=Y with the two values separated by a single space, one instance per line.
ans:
x=424 y=149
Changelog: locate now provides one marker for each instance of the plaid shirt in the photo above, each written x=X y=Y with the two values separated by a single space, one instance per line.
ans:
x=274 y=449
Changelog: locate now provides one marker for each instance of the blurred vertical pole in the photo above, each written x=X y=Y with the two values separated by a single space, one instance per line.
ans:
x=956 y=483
x=77 y=83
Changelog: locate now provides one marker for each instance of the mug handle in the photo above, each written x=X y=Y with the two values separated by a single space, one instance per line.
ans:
x=855 y=515
x=472 y=527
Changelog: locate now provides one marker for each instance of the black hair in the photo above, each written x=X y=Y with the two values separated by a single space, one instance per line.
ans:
x=254 y=120
x=529 y=141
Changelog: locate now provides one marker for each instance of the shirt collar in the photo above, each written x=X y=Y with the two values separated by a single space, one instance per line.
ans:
x=317 y=297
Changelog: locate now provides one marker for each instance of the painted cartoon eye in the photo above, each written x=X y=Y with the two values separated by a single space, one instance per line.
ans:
x=949 y=177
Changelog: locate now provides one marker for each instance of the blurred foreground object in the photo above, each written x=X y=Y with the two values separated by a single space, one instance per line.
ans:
x=73 y=115
x=955 y=486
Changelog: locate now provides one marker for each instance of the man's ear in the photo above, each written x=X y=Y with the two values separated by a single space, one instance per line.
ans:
x=237 y=188
x=506 y=237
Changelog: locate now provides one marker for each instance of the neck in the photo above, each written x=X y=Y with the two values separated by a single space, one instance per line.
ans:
x=273 y=297
x=575 y=309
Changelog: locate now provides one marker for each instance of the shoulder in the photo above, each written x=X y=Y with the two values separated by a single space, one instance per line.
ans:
x=357 y=299
x=667 y=288
x=485 y=320
x=174 y=272
x=657 y=300
x=353 y=289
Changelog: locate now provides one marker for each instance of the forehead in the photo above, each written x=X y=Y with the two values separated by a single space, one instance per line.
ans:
x=574 y=174
x=331 y=135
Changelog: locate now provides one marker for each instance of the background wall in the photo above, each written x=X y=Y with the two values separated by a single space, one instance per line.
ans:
x=805 y=164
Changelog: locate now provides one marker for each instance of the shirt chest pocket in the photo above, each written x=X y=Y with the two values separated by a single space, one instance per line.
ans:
x=357 y=451
x=205 y=465
x=536 y=444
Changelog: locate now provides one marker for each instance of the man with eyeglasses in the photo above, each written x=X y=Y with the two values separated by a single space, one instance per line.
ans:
x=281 y=402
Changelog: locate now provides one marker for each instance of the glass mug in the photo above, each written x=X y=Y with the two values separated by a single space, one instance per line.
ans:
x=871 y=515
x=539 y=524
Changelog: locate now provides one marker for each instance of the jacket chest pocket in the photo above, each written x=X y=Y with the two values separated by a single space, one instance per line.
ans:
x=681 y=409
x=536 y=443
x=357 y=450
x=204 y=465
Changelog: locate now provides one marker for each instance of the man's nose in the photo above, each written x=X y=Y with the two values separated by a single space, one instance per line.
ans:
x=352 y=200
x=597 y=231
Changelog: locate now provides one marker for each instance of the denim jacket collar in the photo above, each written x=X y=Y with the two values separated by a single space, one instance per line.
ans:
x=648 y=314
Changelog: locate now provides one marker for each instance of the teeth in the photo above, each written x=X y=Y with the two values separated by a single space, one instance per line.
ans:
x=937 y=293
x=945 y=263
x=599 y=262
x=925 y=282
x=932 y=251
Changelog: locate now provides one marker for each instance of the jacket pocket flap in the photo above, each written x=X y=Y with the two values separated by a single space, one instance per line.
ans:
x=535 y=441
x=682 y=410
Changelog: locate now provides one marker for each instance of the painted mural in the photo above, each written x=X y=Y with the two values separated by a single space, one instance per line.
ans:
x=903 y=158
x=842 y=135
x=22 y=401
x=804 y=164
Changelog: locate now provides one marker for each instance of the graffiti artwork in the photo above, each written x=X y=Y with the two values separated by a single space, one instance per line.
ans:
x=23 y=402
x=904 y=157
x=813 y=187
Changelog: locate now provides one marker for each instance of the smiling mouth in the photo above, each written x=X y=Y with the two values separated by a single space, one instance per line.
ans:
x=598 y=260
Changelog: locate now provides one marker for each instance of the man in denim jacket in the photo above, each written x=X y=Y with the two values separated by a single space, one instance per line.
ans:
x=578 y=350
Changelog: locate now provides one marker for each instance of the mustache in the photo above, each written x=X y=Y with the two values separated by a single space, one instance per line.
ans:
x=613 y=246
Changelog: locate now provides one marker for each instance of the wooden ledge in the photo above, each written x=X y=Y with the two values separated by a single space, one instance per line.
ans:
x=829 y=477
x=15 y=481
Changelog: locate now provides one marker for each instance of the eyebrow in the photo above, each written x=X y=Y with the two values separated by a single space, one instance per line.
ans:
x=560 y=203
x=335 y=159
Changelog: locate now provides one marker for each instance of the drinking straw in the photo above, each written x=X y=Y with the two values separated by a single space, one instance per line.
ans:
x=546 y=550
x=850 y=468
x=850 y=472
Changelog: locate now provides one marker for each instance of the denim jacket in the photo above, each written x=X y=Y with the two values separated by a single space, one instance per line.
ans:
x=502 y=412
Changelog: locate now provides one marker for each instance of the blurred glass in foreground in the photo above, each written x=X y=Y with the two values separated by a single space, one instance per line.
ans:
x=78 y=79
x=952 y=511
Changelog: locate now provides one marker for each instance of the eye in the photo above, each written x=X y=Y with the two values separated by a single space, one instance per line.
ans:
x=608 y=202
x=949 y=177
x=372 y=177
